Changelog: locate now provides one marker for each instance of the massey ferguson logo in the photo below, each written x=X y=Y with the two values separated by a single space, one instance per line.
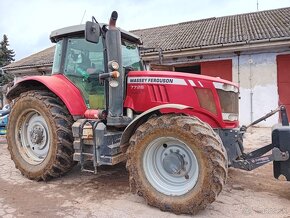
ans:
x=156 y=80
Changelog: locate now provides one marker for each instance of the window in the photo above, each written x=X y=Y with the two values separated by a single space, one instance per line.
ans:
x=57 y=57
x=131 y=57
x=83 y=62
x=188 y=69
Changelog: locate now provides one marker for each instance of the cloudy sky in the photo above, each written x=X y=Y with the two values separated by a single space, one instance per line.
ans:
x=28 y=23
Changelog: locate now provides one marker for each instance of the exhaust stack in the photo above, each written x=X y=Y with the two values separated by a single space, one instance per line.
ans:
x=113 y=19
x=116 y=85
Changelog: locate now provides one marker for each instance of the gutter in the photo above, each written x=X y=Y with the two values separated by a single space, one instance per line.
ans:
x=27 y=67
x=32 y=70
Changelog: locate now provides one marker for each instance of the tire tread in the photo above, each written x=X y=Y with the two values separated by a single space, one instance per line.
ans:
x=214 y=151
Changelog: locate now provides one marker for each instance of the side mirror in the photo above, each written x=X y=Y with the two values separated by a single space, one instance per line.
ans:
x=92 y=32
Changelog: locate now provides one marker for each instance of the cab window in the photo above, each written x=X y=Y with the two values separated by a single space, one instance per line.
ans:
x=83 y=62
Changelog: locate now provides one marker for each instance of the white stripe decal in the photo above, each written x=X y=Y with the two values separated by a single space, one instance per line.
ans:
x=156 y=80
x=200 y=83
x=191 y=83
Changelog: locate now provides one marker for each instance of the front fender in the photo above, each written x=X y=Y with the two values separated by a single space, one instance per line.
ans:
x=134 y=124
x=59 y=85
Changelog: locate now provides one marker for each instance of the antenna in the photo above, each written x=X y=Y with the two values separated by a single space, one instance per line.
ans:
x=83 y=16
x=257 y=5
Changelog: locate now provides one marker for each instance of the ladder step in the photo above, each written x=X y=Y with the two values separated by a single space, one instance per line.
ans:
x=89 y=171
x=87 y=156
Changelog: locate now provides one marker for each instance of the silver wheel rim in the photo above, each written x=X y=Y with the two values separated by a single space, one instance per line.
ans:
x=33 y=137
x=170 y=166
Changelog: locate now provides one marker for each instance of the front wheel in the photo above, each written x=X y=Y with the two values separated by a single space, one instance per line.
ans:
x=177 y=163
x=39 y=135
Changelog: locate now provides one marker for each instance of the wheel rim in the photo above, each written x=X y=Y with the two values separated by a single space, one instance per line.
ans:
x=33 y=137
x=170 y=166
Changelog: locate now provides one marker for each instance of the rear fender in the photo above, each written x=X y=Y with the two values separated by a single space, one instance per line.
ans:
x=59 y=85
x=130 y=129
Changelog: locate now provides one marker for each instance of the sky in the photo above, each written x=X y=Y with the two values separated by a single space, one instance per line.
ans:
x=28 y=23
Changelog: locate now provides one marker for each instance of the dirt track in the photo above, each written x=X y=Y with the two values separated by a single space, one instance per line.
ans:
x=247 y=194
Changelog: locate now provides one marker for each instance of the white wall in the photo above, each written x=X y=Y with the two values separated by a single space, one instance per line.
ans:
x=257 y=74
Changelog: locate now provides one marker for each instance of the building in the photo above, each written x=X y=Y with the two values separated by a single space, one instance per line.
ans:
x=37 y=64
x=251 y=49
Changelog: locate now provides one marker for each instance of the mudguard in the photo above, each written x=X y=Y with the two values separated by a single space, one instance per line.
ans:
x=59 y=85
x=134 y=124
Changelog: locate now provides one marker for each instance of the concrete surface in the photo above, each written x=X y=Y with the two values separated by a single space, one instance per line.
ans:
x=247 y=194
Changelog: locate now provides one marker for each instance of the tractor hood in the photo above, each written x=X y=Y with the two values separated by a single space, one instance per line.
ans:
x=214 y=100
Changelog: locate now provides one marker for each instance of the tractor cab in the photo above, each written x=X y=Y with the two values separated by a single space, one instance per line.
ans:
x=88 y=59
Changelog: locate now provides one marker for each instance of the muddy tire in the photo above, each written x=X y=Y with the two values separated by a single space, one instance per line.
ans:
x=176 y=163
x=39 y=135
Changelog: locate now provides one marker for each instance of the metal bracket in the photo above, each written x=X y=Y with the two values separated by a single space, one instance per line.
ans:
x=279 y=155
x=284 y=118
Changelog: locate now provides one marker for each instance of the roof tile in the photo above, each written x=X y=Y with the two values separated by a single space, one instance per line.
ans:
x=250 y=27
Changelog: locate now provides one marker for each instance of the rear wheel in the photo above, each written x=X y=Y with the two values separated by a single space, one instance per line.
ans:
x=177 y=163
x=39 y=135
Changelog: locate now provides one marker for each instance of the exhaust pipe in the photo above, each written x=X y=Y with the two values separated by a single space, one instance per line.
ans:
x=113 y=19
x=116 y=85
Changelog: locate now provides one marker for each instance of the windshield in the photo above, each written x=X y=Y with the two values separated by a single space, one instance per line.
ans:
x=131 y=57
x=83 y=54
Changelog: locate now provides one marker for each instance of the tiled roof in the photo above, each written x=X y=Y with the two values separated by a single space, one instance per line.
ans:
x=44 y=57
x=254 y=27
x=237 y=29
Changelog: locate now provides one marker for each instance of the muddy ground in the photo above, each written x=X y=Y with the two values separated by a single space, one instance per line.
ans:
x=247 y=194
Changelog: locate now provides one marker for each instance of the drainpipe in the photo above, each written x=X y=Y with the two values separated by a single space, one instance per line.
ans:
x=160 y=54
x=251 y=89
x=238 y=53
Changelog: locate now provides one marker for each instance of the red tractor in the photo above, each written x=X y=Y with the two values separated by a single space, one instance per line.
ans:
x=178 y=132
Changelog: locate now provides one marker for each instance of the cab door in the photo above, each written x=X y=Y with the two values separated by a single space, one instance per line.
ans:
x=84 y=61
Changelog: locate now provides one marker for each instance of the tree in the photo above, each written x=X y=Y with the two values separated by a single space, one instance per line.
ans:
x=6 y=55
x=4 y=78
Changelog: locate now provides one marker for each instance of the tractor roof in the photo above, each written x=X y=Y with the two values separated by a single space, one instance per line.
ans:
x=80 y=29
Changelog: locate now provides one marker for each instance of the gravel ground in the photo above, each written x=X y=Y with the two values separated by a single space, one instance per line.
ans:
x=247 y=194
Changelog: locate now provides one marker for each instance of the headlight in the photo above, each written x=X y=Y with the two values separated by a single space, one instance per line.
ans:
x=230 y=116
x=229 y=100
x=226 y=87
x=113 y=65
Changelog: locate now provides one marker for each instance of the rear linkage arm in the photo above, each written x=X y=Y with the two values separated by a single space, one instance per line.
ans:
x=255 y=159
x=280 y=109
